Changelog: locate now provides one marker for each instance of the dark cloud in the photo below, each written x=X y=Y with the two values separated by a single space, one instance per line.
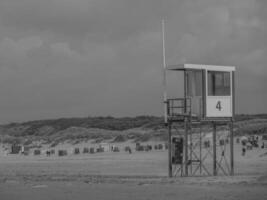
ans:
x=99 y=19
x=103 y=57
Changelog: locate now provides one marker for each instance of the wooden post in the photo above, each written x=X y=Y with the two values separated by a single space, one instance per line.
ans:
x=214 y=150
x=231 y=148
x=170 y=149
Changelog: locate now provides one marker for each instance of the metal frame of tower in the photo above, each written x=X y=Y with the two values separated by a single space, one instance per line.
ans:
x=182 y=123
x=195 y=153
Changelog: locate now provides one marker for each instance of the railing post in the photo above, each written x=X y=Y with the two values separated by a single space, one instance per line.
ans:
x=185 y=105
x=168 y=110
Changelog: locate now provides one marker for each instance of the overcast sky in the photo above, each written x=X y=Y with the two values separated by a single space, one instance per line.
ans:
x=68 y=58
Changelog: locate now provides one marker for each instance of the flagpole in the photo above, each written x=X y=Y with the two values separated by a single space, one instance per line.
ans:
x=164 y=73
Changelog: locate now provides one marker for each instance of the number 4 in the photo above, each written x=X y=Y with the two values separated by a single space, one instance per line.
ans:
x=218 y=105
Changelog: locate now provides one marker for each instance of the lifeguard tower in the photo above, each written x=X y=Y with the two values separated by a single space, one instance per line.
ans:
x=196 y=146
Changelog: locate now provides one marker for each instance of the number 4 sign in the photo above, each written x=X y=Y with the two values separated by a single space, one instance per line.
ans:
x=219 y=106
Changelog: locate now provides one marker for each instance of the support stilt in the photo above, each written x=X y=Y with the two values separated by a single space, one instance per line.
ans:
x=200 y=151
x=170 y=149
x=231 y=148
x=214 y=150
x=186 y=147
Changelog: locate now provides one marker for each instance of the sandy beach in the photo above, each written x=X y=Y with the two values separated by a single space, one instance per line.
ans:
x=121 y=175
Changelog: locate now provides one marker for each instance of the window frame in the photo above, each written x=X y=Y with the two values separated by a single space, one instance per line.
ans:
x=224 y=86
x=190 y=84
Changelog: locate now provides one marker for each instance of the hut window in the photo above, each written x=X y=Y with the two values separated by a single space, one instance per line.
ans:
x=194 y=83
x=218 y=83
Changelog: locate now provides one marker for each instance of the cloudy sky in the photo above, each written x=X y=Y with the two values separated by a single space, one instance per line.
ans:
x=67 y=58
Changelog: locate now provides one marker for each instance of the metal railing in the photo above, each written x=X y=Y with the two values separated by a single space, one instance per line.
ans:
x=179 y=107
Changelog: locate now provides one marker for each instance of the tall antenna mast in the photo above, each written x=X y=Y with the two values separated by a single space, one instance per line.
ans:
x=164 y=73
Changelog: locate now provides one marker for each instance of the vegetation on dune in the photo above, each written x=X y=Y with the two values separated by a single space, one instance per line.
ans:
x=107 y=123
x=78 y=129
x=120 y=138
x=243 y=117
x=140 y=128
